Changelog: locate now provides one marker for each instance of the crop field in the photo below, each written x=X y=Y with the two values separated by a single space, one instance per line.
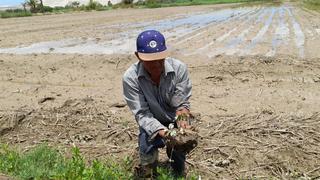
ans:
x=255 y=72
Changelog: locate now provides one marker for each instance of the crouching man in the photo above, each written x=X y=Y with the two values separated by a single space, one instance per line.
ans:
x=157 y=89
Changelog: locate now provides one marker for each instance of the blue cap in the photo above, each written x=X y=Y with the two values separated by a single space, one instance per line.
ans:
x=151 y=45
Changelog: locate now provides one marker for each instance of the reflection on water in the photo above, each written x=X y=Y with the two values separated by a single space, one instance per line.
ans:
x=261 y=33
x=299 y=35
x=270 y=26
x=124 y=42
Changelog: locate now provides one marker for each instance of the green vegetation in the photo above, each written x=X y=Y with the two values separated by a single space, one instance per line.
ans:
x=312 y=4
x=44 y=162
x=14 y=13
x=36 y=6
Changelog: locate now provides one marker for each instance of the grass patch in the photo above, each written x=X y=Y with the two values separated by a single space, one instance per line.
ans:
x=312 y=4
x=14 y=13
x=44 y=162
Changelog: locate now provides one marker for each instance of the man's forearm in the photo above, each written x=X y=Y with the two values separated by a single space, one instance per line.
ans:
x=147 y=122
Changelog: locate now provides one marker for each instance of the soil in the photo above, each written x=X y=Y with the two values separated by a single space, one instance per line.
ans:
x=255 y=76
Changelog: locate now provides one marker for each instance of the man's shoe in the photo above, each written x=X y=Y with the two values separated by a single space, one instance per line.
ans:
x=146 y=171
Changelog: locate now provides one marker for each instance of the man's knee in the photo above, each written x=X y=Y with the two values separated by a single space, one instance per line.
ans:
x=149 y=158
x=147 y=155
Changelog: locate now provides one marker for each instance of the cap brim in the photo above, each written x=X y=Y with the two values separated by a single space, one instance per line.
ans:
x=153 y=56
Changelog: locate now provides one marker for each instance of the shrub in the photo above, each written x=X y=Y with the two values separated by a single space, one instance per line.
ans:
x=93 y=5
x=6 y=14
x=127 y=1
x=47 y=9
x=14 y=10
x=153 y=3
x=58 y=8
x=312 y=4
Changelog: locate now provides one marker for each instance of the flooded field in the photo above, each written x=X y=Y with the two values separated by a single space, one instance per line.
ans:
x=255 y=75
x=241 y=31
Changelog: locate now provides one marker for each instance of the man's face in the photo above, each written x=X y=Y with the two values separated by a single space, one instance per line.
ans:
x=154 y=68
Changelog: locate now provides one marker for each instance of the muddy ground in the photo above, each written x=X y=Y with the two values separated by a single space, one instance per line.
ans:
x=255 y=73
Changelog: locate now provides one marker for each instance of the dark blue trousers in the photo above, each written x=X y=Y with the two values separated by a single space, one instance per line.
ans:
x=148 y=149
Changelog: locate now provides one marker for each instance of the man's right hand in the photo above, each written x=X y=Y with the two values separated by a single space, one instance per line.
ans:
x=162 y=133
x=183 y=124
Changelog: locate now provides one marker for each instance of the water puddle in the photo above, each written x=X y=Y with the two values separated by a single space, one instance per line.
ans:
x=260 y=34
x=231 y=47
x=200 y=31
x=281 y=33
x=245 y=28
x=299 y=36
x=246 y=18
x=262 y=15
x=124 y=42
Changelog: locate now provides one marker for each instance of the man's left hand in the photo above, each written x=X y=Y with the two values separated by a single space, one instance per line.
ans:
x=182 y=111
x=183 y=123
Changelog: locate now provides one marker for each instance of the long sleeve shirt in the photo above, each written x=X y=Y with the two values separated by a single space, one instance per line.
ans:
x=155 y=105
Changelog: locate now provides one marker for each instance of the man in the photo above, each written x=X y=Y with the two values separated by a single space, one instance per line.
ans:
x=157 y=89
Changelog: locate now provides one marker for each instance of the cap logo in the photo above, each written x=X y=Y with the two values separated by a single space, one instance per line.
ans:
x=153 y=44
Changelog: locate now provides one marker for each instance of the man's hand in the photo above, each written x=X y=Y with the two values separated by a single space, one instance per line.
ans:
x=182 y=140
x=182 y=111
x=182 y=118
x=183 y=124
x=162 y=133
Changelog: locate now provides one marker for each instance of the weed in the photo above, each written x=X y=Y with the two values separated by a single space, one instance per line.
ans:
x=312 y=4
x=10 y=14
x=44 y=162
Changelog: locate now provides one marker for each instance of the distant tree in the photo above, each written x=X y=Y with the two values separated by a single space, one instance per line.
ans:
x=24 y=5
x=41 y=5
x=127 y=1
x=109 y=3
x=93 y=5
x=33 y=5
x=37 y=5
x=75 y=4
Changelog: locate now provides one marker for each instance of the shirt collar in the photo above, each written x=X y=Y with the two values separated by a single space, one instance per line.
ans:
x=143 y=73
